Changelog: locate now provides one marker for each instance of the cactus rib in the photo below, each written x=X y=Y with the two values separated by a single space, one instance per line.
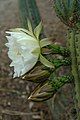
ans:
x=72 y=41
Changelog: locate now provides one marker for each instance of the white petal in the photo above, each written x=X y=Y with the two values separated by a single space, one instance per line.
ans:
x=7 y=44
x=23 y=67
x=29 y=65
x=22 y=30
x=21 y=46
x=20 y=35
x=23 y=39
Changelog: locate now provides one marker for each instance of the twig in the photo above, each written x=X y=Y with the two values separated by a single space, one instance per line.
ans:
x=9 y=90
x=9 y=112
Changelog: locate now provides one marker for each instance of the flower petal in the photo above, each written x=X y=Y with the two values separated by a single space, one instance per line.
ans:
x=22 y=30
x=23 y=67
x=21 y=46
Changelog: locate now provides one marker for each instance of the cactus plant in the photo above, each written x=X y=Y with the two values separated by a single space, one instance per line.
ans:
x=73 y=39
x=69 y=13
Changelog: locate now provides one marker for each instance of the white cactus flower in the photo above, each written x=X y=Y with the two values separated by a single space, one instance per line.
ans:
x=25 y=49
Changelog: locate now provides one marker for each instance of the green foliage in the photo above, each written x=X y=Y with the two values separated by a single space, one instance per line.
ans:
x=58 y=82
x=57 y=49
x=64 y=62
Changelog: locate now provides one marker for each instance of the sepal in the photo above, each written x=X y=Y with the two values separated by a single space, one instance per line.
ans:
x=45 y=41
x=37 y=30
x=45 y=62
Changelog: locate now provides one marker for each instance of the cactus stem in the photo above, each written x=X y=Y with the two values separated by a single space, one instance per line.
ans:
x=72 y=39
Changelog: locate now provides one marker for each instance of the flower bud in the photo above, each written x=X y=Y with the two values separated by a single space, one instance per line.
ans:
x=37 y=76
x=42 y=92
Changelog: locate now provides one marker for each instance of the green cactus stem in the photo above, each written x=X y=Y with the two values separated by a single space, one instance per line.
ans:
x=75 y=71
x=28 y=9
x=65 y=10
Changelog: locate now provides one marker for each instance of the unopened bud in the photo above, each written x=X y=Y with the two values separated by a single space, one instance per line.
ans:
x=37 y=76
x=42 y=92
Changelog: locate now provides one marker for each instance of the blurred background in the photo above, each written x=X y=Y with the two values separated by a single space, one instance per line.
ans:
x=14 y=92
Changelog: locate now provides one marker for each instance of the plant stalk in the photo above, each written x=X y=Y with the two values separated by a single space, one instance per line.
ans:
x=72 y=39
